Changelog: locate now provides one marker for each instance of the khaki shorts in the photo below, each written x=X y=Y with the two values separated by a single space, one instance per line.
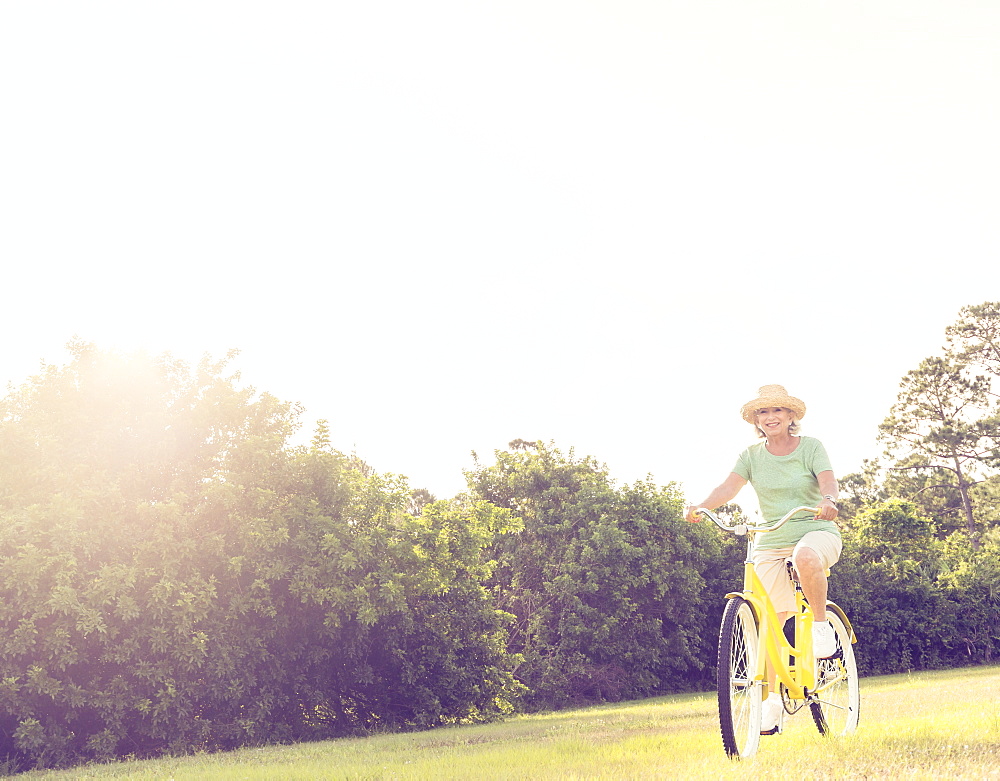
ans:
x=770 y=566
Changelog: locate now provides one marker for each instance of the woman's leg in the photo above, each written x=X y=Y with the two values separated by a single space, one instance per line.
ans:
x=812 y=576
x=813 y=557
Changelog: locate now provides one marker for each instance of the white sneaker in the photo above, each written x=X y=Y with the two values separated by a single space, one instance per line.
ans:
x=824 y=640
x=770 y=714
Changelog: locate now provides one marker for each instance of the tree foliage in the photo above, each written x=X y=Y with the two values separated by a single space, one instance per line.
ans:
x=975 y=337
x=175 y=575
x=936 y=424
x=885 y=580
x=944 y=429
x=607 y=584
x=917 y=601
x=920 y=549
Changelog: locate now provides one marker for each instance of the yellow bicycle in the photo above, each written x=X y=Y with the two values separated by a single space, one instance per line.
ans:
x=751 y=636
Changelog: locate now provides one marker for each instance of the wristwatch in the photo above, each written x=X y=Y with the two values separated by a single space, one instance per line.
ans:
x=832 y=499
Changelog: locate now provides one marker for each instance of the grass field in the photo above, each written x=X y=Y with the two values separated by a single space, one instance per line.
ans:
x=942 y=724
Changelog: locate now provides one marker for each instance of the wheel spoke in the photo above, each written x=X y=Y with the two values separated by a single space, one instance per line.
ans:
x=836 y=701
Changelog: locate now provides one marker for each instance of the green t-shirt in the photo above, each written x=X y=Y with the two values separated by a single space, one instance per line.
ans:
x=784 y=482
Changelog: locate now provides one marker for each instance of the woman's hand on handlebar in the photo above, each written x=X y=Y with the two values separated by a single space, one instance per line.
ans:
x=827 y=511
x=691 y=513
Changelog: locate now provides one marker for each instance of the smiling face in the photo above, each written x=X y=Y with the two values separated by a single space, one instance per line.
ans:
x=774 y=421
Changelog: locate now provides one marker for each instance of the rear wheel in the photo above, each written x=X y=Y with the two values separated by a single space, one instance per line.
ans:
x=739 y=694
x=837 y=702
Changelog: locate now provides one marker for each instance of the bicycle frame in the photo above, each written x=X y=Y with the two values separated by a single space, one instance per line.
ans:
x=799 y=678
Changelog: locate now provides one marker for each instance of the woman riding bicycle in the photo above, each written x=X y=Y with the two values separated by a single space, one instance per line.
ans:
x=787 y=470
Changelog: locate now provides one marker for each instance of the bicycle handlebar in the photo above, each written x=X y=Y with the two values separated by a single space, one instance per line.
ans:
x=743 y=528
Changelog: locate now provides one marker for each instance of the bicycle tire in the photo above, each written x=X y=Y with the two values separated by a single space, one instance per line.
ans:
x=836 y=707
x=739 y=694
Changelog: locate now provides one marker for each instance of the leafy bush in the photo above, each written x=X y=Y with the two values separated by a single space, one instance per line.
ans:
x=915 y=602
x=606 y=584
x=176 y=576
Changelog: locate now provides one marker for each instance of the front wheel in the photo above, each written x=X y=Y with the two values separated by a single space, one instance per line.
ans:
x=836 y=704
x=739 y=693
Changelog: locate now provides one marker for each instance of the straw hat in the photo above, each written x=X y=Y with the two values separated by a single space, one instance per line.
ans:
x=773 y=396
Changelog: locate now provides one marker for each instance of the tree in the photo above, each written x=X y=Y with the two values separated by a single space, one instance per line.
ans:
x=933 y=490
x=175 y=575
x=971 y=582
x=859 y=490
x=886 y=580
x=936 y=424
x=986 y=496
x=605 y=584
x=975 y=337
x=110 y=470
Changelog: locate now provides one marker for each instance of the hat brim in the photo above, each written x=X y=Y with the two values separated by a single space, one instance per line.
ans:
x=797 y=406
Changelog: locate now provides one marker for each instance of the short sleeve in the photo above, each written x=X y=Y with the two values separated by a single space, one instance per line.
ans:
x=742 y=467
x=820 y=459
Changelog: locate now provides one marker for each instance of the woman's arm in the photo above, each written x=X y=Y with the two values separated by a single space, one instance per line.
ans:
x=828 y=487
x=719 y=496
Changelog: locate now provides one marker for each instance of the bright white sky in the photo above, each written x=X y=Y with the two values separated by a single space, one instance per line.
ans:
x=446 y=225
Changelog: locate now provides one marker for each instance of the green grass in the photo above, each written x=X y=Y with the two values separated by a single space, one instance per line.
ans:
x=942 y=724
